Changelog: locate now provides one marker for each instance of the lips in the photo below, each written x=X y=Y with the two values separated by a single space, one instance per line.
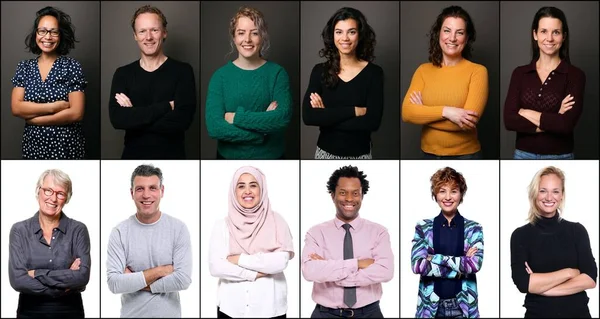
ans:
x=248 y=198
x=548 y=204
x=447 y=204
x=147 y=203
x=51 y=205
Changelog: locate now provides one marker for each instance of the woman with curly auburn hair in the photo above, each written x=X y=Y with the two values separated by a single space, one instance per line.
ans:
x=447 y=96
x=345 y=93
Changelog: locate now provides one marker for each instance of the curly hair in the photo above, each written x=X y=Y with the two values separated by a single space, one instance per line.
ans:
x=66 y=31
x=550 y=12
x=435 y=51
x=259 y=20
x=364 y=49
x=448 y=176
x=347 y=171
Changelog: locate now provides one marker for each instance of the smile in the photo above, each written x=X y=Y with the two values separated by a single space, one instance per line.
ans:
x=548 y=204
x=147 y=203
x=447 y=204
x=248 y=198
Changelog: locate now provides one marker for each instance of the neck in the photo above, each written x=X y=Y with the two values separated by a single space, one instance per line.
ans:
x=48 y=57
x=449 y=215
x=451 y=61
x=344 y=219
x=251 y=63
x=49 y=222
x=148 y=219
x=548 y=62
x=151 y=63
x=348 y=60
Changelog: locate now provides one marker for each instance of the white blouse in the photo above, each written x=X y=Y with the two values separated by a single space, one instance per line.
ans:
x=240 y=294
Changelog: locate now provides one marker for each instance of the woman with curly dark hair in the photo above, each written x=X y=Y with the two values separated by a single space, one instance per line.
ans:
x=448 y=95
x=345 y=93
x=48 y=90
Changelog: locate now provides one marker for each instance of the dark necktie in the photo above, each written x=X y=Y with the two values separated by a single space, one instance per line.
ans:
x=349 y=292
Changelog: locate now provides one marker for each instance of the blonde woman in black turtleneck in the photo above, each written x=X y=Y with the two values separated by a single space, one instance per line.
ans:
x=551 y=258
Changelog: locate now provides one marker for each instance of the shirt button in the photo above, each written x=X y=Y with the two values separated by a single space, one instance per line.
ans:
x=53 y=237
x=50 y=260
x=49 y=247
x=539 y=95
x=549 y=78
x=541 y=89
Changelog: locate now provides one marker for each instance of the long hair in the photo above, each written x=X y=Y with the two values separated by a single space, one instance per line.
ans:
x=66 y=31
x=435 y=51
x=534 y=189
x=259 y=20
x=550 y=12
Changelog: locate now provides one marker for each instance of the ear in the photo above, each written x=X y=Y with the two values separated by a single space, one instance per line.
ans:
x=162 y=190
x=131 y=192
x=534 y=35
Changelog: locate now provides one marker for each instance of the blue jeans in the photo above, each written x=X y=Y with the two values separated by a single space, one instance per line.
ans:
x=532 y=156
x=448 y=308
x=474 y=156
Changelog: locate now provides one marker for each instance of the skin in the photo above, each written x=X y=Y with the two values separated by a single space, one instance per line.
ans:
x=247 y=191
x=146 y=194
x=549 y=196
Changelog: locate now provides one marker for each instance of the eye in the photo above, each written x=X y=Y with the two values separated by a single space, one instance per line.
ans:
x=461 y=33
x=255 y=33
x=446 y=31
x=353 y=32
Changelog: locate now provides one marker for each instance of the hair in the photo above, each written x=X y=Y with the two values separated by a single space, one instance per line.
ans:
x=435 y=51
x=364 y=49
x=347 y=171
x=534 y=189
x=448 y=176
x=149 y=9
x=61 y=178
x=147 y=171
x=550 y=12
x=259 y=20
x=66 y=29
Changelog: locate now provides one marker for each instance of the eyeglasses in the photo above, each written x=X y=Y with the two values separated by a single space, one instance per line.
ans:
x=50 y=192
x=53 y=33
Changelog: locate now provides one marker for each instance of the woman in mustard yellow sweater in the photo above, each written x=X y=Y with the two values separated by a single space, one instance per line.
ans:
x=448 y=95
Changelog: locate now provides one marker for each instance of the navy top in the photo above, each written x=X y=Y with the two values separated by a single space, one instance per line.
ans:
x=448 y=240
x=51 y=141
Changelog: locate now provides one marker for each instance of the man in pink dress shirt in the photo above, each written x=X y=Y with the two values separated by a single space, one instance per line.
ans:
x=348 y=257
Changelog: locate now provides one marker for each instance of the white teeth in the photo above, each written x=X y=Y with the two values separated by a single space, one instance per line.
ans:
x=147 y=203
x=51 y=205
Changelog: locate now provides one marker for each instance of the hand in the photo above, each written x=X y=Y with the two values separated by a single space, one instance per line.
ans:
x=127 y=270
x=429 y=257
x=364 y=263
x=272 y=106
x=233 y=259
x=566 y=104
x=574 y=272
x=172 y=103
x=415 y=98
x=147 y=288
x=167 y=270
x=316 y=102
x=123 y=100
x=61 y=105
x=314 y=256
x=471 y=252
x=465 y=119
x=75 y=264
x=260 y=274
x=31 y=273
x=229 y=117
x=360 y=111
x=528 y=269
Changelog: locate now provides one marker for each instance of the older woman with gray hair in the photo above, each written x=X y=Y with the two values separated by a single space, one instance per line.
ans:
x=49 y=254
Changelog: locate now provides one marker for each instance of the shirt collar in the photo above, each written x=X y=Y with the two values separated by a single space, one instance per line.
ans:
x=356 y=223
x=441 y=219
x=62 y=223
x=563 y=67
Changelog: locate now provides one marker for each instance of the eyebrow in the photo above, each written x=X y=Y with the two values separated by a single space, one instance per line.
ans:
x=447 y=27
x=242 y=183
x=343 y=189
x=336 y=29
x=240 y=29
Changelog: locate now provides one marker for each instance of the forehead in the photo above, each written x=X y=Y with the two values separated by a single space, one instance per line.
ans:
x=549 y=23
x=245 y=23
x=346 y=24
x=246 y=178
x=48 y=21
x=454 y=23
x=448 y=185
x=148 y=19
x=550 y=180
x=348 y=183
x=146 y=180
x=50 y=182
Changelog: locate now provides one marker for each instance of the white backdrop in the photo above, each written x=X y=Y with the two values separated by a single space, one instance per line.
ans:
x=19 y=180
x=480 y=204
x=581 y=205
x=379 y=205
x=282 y=182
x=180 y=200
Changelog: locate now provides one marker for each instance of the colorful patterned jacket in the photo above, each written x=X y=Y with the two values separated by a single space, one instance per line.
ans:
x=447 y=267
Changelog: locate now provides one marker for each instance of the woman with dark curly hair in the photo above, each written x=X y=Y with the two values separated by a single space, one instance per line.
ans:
x=48 y=90
x=448 y=95
x=345 y=93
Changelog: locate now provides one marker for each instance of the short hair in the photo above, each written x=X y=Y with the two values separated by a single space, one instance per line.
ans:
x=448 y=176
x=364 y=50
x=66 y=31
x=347 y=171
x=534 y=189
x=61 y=178
x=259 y=20
x=149 y=9
x=147 y=171
x=550 y=12
x=435 y=51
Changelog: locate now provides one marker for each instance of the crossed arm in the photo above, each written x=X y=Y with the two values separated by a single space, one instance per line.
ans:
x=54 y=113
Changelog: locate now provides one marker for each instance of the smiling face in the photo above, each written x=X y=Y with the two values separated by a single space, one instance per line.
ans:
x=550 y=195
x=247 y=38
x=247 y=191
x=453 y=37
x=345 y=36
x=51 y=205
x=149 y=34
x=448 y=198
x=549 y=36
x=146 y=193
x=347 y=198
x=48 y=43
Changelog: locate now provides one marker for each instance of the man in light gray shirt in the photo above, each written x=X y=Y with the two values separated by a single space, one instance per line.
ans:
x=149 y=254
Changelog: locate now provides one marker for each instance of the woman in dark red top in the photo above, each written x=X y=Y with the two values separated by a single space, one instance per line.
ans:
x=545 y=98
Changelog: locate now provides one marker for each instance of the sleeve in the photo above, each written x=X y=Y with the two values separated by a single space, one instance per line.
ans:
x=512 y=120
x=218 y=251
x=586 y=262
x=267 y=263
x=322 y=116
x=135 y=117
x=372 y=119
x=19 y=79
x=17 y=269
x=464 y=264
x=181 y=278
x=118 y=281
x=180 y=118
x=77 y=81
x=419 y=263
x=216 y=125
x=415 y=113
x=382 y=270
x=323 y=270
x=67 y=278
x=518 y=257
x=269 y=121
x=565 y=123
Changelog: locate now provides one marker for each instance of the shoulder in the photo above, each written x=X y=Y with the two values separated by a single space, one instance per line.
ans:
x=319 y=228
x=279 y=218
x=77 y=225
x=68 y=61
x=374 y=69
x=521 y=69
x=21 y=227
x=180 y=65
x=318 y=68
x=574 y=226
x=128 y=68
x=375 y=226
x=523 y=231
x=224 y=70
x=173 y=222
x=275 y=69
x=471 y=224
x=27 y=63
x=575 y=72
x=125 y=224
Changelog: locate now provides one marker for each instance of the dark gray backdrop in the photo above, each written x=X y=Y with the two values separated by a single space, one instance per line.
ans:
x=382 y=16
x=17 y=20
x=119 y=48
x=416 y=20
x=582 y=17
x=283 y=23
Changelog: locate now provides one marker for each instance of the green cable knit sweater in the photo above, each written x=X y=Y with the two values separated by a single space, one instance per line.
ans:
x=255 y=132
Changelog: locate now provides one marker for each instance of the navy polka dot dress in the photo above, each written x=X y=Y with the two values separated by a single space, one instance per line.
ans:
x=51 y=141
